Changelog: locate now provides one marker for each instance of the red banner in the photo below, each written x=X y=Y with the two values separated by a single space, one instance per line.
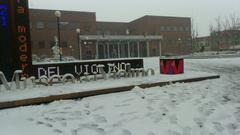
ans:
x=22 y=39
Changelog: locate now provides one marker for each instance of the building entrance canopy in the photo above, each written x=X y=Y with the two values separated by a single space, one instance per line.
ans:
x=120 y=46
x=119 y=37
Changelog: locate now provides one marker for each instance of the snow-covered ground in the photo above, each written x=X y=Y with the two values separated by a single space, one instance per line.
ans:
x=210 y=107
x=220 y=54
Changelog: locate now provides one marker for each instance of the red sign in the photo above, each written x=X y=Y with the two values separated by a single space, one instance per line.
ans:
x=171 y=66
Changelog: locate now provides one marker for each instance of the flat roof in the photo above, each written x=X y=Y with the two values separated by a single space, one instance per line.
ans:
x=120 y=37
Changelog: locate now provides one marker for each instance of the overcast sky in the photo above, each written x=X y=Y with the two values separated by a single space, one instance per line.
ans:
x=203 y=12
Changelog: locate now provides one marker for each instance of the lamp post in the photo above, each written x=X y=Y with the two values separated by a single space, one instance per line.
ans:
x=58 y=15
x=179 y=40
x=71 y=49
x=78 y=41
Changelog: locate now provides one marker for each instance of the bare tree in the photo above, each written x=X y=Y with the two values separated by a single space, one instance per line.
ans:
x=231 y=27
x=211 y=29
x=225 y=31
x=218 y=32
x=226 y=23
x=194 y=34
x=212 y=36
x=234 y=21
x=226 y=35
x=215 y=34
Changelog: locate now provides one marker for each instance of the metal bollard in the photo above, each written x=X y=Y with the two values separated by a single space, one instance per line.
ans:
x=24 y=79
x=33 y=80
x=102 y=72
x=41 y=78
x=66 y=76
x=120 y=72
x=53 y=77
x=151 y=71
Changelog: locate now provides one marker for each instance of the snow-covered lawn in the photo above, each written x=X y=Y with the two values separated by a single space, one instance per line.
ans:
x=210 y=107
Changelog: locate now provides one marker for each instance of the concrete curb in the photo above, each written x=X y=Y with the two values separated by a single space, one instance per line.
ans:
x=48 y=99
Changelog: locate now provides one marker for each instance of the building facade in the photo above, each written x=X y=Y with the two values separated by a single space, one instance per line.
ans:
x=43 y=25
x=176 y=32
x=218 y=41
x=146 y=36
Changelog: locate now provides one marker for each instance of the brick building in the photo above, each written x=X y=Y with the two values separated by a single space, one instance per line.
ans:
x=176 y=32
x=44 y=27
x=225 y=40
x=145 y=36
x=217 y=41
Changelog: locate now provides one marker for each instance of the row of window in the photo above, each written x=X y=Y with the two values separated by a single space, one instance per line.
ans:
x=175 y=28
x=85 y=28
x=108 y=33
x=53 y=25
x=156 y=32
x=72 y=26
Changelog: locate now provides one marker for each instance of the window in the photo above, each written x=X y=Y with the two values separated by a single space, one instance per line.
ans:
x=187 y=28
x=52 y=25
x=107 y=32
x=87 y=28
x=168 y=28
x=175 y=28
x=52 y=43
x=99 y=32
x=180 y=28
x=73 y=26
x=63 y=26
x=41 y=44
x=39 y=25
x=64 y=44
x=162 y=28
x=30 y=25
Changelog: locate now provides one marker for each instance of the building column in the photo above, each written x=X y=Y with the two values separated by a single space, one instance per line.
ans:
x=108 y=51
x=129 y=53
x=138 y=49
x=97 y=55
x=80 y=50
x=160 y=47
x=148 y=52
x=104 y=50
x=119 y=55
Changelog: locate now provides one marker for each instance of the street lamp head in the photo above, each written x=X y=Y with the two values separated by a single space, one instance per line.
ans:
x=179 y=39
x=57 y=13
x=127 y=31
x=78 y=31
x=55 y=38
